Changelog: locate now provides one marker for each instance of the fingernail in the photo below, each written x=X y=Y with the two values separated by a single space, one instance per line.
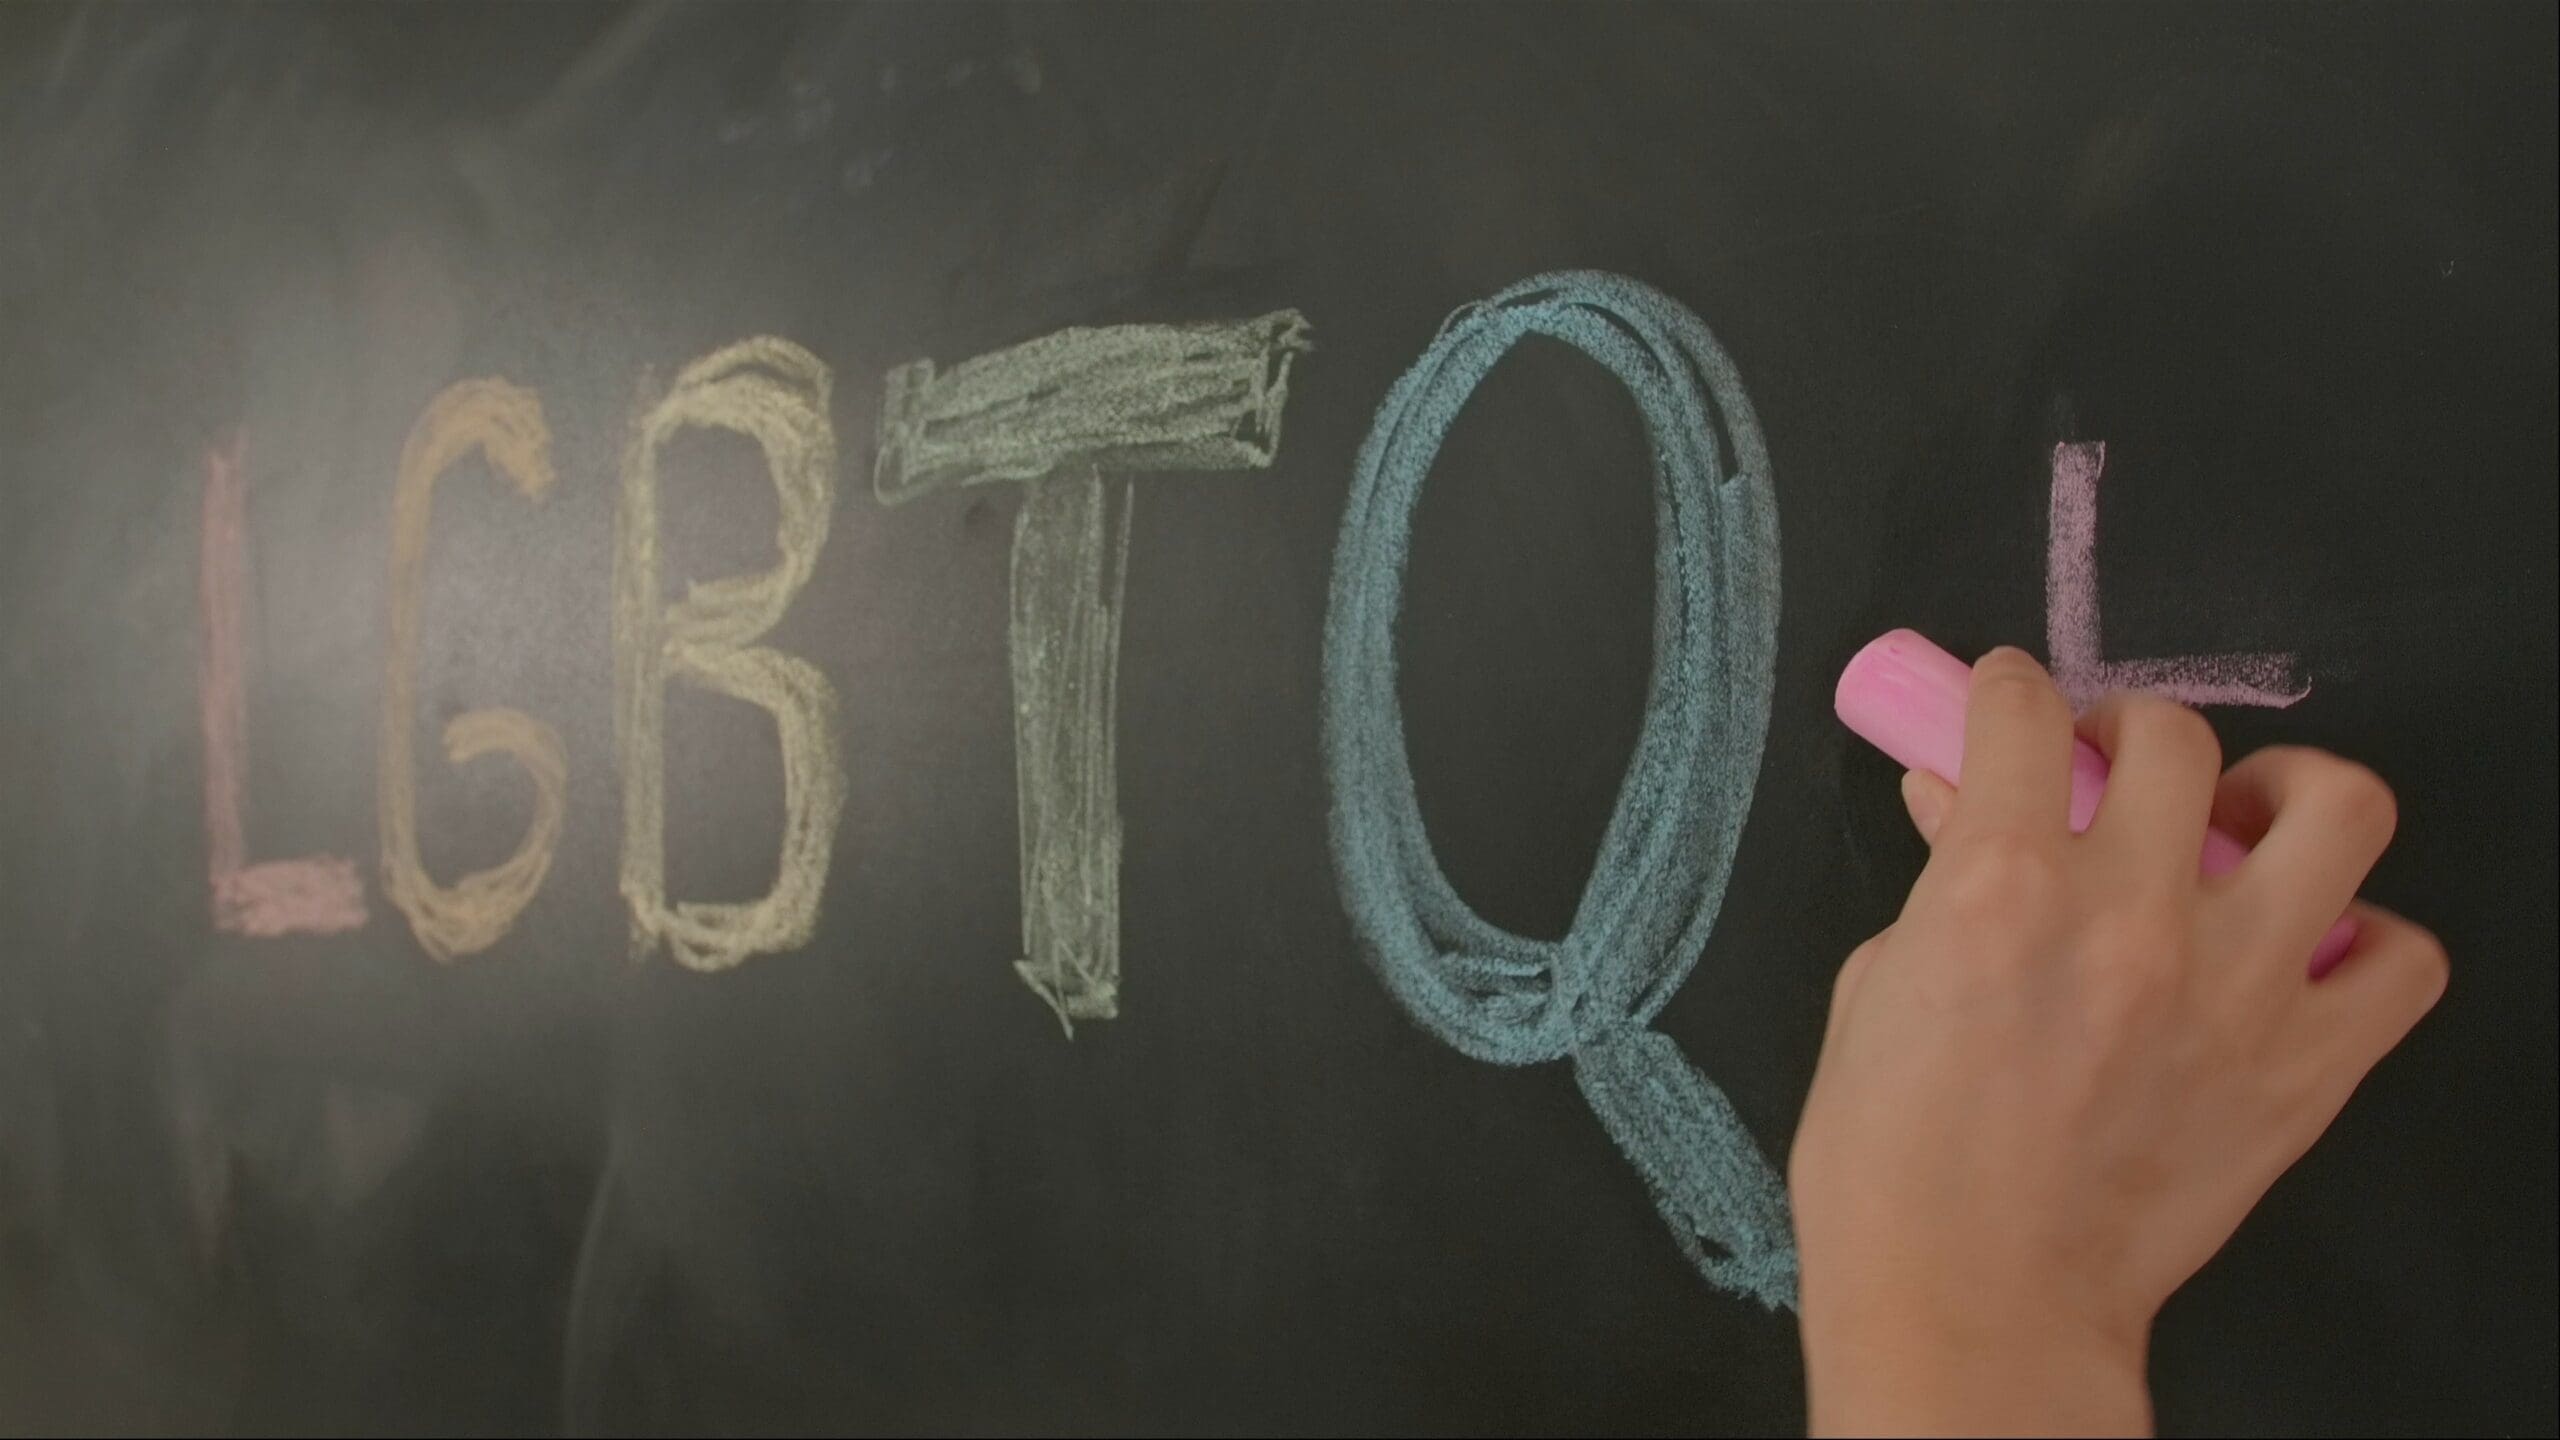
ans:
x=1925 y=802
x=2010 y=655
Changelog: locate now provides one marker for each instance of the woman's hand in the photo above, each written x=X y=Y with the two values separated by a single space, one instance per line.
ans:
x=2052 y=1089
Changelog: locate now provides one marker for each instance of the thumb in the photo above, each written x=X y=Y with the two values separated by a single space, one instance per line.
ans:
x=1927 y=798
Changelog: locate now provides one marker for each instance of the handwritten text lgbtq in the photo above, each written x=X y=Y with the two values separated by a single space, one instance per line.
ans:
x=1074 y=419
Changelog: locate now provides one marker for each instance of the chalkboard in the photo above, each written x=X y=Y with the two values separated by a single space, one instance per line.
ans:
x=716 y=719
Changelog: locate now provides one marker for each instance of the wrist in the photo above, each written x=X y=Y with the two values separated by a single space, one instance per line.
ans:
x=1881 y=1365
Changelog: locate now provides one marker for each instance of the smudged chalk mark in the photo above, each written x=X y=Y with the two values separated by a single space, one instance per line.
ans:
x=617 y=1266
x=2071 y=623
x=1659 y=878
x=1065 y=415
x=774 y=393
x=504 y=423
x=315 y=895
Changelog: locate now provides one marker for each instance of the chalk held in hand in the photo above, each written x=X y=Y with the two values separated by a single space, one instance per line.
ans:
x=1906 y=697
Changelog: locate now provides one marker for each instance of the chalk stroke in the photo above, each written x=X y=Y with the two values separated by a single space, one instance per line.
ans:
x=1070 y=561
x=616 y=1268
x=774 y=393
x=1120 y=398
x=1067 y=414
x=1659 y=878
x=2072 y=629
x=315 y=895
x=504 y=423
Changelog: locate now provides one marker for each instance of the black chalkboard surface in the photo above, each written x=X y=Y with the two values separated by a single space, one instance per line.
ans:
x=683 y=731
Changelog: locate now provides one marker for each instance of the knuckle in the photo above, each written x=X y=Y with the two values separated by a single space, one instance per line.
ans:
x=2178 y=733
x=2270 y=771
x=2161 y=730
x=2341 y=793
x=2359 y=798
x=1997 y=875
x=2429 y=970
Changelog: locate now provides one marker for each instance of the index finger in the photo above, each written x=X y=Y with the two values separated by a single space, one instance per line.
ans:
x=2017 y=751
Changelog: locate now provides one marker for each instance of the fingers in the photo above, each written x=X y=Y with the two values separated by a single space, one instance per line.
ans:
x=1927 y=799
x=2387 y=983
x=2319 y=823
x=2164 y=767
x=2017 y=752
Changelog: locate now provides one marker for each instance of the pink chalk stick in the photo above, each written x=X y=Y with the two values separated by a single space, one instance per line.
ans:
x=1906 y=697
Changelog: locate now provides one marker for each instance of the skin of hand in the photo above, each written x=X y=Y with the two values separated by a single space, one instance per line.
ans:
x=2051 y=1090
